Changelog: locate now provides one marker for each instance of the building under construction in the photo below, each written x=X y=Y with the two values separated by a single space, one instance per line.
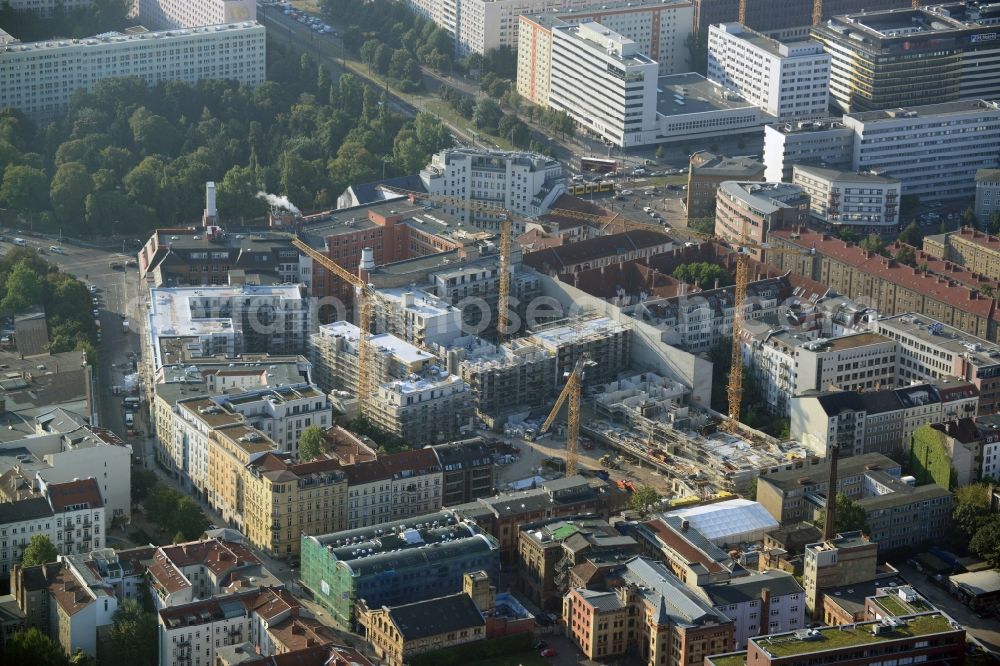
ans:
x=606 y=341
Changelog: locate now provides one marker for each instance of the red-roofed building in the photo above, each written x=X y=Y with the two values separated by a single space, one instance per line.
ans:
x=976 y=250
x=416 y=482
x=600 y=251
x=882 y=283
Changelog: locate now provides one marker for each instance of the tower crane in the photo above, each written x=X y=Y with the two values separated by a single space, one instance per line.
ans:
x=366 y=308
x=570 y=394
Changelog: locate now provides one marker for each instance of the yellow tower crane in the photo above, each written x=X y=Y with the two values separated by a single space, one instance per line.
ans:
x=570 y=394
x=366 y=308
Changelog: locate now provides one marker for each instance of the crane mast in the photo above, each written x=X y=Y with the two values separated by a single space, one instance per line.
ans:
x=571 y=395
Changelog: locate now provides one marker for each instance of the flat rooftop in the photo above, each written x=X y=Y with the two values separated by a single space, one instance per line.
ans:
x=613 y=45
x=857 y=340
x=808 y=126
x=960 y=107
x=977 y=350
x=681 y=94
x=577 y=332
x=423 y=303
x=847 y=636
x=106 y=38
x=384 y=342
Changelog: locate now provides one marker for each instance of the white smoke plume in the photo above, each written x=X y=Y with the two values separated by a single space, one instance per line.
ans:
x=279 y=202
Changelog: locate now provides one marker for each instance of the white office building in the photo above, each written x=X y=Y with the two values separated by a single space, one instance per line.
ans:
x=659 y=29
x=173 y=14
x=39 y=78
x=934 y=150
x=826 y=142
x=526 y=184
x=788 y=80
x=838 y=199
x=45 y=7
x=602 y=81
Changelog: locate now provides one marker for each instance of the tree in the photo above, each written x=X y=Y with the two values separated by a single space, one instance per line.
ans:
x=132 y=638
x=30 y=646
x=24 y=188
x=644 y=499
x=847 y=235
x=143 y=483
x=23 y=288
x=995 y=223
x=850 y=516
x=705 y=274
x=971 y=509
x=969 y=218
x=986 y=542
x=70 y=186
x=178 y=538
x=873 y=243
x=906 y=255
x=153 y=134
x=382 y=58
x=660 y=152
x=367 y=52
x=189 y=519
x=907 y=204
x=487 y=115
x=238 y=195
x=312 y=443
x=40 y=550
x=911 y=235
x=697 y=46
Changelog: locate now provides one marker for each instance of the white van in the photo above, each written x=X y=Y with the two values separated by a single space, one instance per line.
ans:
x=20 y=241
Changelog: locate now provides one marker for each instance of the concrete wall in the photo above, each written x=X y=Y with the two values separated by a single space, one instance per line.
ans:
x=649 y=349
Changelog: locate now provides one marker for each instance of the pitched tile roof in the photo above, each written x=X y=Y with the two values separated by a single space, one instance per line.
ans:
x=436 y=616
x=939 y=288
x=75 y=493
x=559 y=258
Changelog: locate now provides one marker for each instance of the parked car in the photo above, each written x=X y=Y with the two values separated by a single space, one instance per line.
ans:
x=56 y=249
x=549 y=652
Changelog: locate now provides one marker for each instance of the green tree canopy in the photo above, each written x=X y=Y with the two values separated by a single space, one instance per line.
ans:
x=132 y=638
x=23 y=288
x=850 y=516
x=705 y=274
x=24 y=188
x=143 y=483
x=487 y=115
x=971 y=509
x=911 y=235
x=312 y=443
x=30 y=646
x=40 y=550
x=68 y=192
x=986 y=541
x=644 y=499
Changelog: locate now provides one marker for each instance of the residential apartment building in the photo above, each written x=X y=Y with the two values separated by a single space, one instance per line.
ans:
x=228 y=320
x=398 y=633
x=827 y=142
x=987 y=195
x=907 y=57
x=759 y=604
x=235 y=51
x=975 y=250
x=845 y=559
x=548 y=549
x=885 y=285
x=431 y=408
x=862 y=202
x=931 y=637
x=265 y=622
x=281 y=413
x=431 y=552
x=788 y=80
x=232 y=448
x=688 y=554
x=707 y=171
x=660 y=30
x=505 y=378
x=61 y=457
x=174 y=14
x=369 y=494
x=415 y=482
x=199 y=256
x=648 y=612
x=467 y=470
x=606 y=341
x=70 y=514
x=928 y=350
x=748 y=211
x=503 y=515
x=526 y=184
x=434 y=316
x=284 y=500
x=787 y=363
x=334 y=354
x=879 y=421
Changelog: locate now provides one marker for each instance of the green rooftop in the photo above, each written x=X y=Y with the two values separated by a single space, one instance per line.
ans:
x=732 y=659
x=835 y=638
x=894 y=605
x=564 y=532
